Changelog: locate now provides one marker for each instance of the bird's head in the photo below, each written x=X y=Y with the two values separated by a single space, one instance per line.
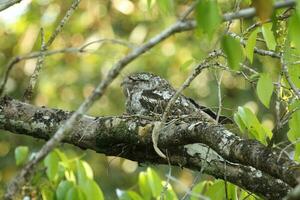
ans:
x=142 y=81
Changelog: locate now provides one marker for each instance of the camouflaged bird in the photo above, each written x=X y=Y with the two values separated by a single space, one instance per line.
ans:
x=148 y=94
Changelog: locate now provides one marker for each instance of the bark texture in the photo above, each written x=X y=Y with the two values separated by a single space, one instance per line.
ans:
x=130 y=137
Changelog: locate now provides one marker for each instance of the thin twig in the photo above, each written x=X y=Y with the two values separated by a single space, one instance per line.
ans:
x=82 y=49
x=286 y=147
x=184 y=187
x=160 y=125
x=219 y=81
x=188 y=11
x=29 y=91
x=165 y=187
x=262 y=52
x=277 y=111
x=283 y=16
x=188 y=192
x=45 y=45
x=285 y=71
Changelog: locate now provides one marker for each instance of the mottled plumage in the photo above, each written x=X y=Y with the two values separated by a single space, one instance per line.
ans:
x=147 y=93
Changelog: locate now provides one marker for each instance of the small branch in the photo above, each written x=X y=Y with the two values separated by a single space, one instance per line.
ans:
x=283 y=16
x=251 y=12
x=262 y=52
x=82 y=49
x=219 y=81
x=277 y=112
x=204 y=165
x=8 y=3
x=285 y=71
x=188 y=11
x=187 y=82
x=34 y=77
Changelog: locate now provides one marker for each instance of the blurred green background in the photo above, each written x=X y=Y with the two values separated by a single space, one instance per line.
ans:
x=66 y=79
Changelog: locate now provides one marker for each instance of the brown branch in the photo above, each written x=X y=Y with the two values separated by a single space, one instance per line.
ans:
x=130 y=137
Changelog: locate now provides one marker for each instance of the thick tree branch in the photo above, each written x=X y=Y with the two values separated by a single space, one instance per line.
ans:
x=130 y=137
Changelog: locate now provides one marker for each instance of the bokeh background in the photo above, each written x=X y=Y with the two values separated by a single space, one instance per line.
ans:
x=66 y=79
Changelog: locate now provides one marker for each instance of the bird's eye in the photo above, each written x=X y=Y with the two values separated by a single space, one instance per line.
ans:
x=135 y=79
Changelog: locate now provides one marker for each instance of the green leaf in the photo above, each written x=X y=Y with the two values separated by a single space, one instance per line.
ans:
x=62 y=189
x=154 y=182
x=92 y=190
x=232 y=191
x=143 y=186
x=84 y=171
x=269 y=36
x=198 y=189
x=233 y=51
x=238 y=120
x=208 y=16
x=294 y=31
x=75 y=193
x=264 y=89
x=165 y=6
x=70 y=176
x=47 y=194
x=129 y=195
x=52 y=162
x=252 y=125
x=169 y=193
x=21 y=154
x=245 y=195
x=250 y=45
x=297 y=152
x=294 y=125
x=216 y=191
x=294 y=72
x=64 y=159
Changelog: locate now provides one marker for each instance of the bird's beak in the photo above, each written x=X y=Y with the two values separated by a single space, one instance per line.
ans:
x=126 y=81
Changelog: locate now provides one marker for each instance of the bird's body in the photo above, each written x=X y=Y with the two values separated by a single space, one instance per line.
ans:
x=147 y=93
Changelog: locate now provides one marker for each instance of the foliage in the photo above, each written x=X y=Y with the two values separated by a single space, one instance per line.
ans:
x=67 y=178
x=72 y=178
x=251 y=87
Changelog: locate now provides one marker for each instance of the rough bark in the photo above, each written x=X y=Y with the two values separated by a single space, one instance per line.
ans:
x=130 y=137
